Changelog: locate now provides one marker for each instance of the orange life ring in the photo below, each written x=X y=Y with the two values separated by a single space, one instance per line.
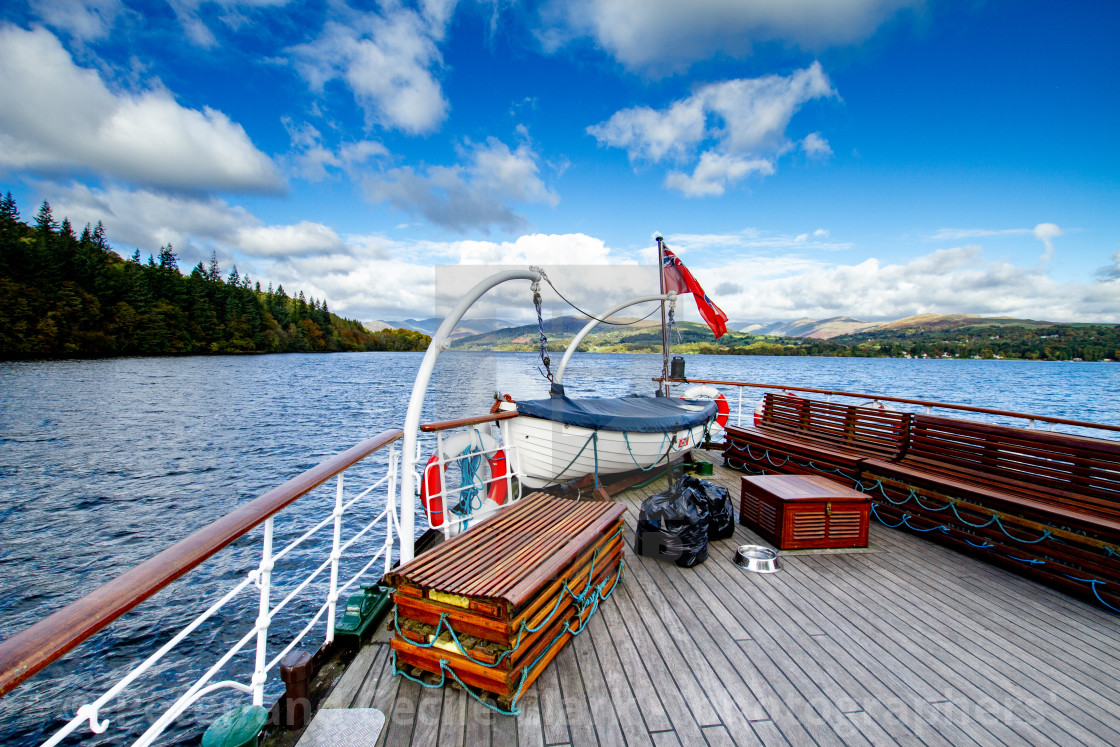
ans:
x=723 y=409
x=431 y=481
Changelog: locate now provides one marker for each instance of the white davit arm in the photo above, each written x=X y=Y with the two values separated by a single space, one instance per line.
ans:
x=574 y=344
x=441 y=341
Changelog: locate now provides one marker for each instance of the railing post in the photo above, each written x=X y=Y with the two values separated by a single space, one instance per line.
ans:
x=264 y=578
x=391 y=509
x=739 y=415
x=441 y=467
x=336 y=553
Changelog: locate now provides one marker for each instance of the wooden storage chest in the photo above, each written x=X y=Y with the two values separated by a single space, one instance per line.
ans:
x=494 y=605
x=798 y=512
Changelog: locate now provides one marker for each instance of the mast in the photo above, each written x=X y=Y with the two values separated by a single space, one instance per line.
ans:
x=664 y=324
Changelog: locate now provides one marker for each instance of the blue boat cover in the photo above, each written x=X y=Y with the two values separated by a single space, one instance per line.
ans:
x=634 y=413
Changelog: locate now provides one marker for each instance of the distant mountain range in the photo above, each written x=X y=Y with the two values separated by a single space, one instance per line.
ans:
x=837 y=326
x=466 y=328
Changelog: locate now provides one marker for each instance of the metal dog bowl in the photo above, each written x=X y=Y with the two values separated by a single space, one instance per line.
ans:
x=756 y=558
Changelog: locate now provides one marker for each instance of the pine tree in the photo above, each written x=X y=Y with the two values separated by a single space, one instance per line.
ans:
x=214 y=275
x=8 y=207
x=168 y=260
x=44 y=219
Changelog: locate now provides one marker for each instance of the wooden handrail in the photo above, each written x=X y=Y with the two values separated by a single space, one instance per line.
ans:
x=38 y=645
x=922 y=402
x=449 y=424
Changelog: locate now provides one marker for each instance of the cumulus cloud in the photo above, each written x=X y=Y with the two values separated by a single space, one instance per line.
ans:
x=68 y=119
x=660 y=35
x=1046 y=233
x=947 y=281
x=195 y=226
x=743 y=121
x=313 y=160
x=1110 y=272
x=387 y=59
x=470 y=196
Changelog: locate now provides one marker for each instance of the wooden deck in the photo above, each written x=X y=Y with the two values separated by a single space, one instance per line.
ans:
x=907 y=642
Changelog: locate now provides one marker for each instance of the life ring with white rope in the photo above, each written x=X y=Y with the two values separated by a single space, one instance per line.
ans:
x=723 y=409
x=458 y=448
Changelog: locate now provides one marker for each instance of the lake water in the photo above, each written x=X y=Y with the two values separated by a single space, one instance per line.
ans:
x=105 y=463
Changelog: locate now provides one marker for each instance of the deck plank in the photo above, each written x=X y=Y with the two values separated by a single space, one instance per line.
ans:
x=909 y=643
x=617 y=687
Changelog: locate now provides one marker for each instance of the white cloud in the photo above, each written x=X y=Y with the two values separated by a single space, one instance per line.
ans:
x=715 y=172
x=659 y=35
x=1046 y=233
x=471 y=196
x=959 y=280
x=300 y=239
x=193 y=225
x=88 y=20
x=312 y=159
x=387 y=60
x=233 y=15
x=743 y=120
x=67 y=120
x=816 y=146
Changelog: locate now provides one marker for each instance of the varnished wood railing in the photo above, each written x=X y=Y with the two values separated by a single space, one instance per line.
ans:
x=40 y=644
x=905 y=400
x=446 y=425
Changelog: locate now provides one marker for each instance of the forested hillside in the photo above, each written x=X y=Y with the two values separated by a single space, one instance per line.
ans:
x=69 y=295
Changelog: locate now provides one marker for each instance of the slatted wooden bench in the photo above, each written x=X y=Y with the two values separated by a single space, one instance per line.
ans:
x=1055 y=496
x=805 y=436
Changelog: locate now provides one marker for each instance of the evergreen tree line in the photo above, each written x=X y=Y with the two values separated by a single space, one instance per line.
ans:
x=66 y=295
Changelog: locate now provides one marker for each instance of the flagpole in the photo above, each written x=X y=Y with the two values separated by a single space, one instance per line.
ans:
x=664 y=324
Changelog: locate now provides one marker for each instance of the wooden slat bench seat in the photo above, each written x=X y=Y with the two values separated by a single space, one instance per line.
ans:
x=1058 y=496
x=805 y=436
x=1045 y=503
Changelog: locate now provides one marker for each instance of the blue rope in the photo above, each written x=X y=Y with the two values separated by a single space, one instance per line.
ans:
x=878 y=484
x=966 y=521
x=987 y=545
x=1045 y=534
x=917 y=499
x=1028 y=561
x=884 y=523
x=906 y=521
x=1093 y=585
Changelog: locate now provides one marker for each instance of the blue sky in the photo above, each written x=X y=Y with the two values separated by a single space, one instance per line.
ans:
x=870 y=158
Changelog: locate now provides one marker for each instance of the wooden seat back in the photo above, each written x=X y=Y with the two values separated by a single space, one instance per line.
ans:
x=1070 y=470
x=868 y=431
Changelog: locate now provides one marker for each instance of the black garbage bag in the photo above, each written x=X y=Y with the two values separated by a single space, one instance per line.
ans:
x=722 y=523
x=674 y=525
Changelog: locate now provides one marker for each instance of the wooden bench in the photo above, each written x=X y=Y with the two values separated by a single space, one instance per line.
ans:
x=806 y=436
x=1043 y=503
x=1055 y=476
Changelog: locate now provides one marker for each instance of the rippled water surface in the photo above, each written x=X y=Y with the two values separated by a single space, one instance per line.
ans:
x=105 y=463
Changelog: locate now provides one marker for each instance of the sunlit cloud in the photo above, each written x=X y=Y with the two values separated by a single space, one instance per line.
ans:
x=68 y=119
x=657 y=36
x=738 y=125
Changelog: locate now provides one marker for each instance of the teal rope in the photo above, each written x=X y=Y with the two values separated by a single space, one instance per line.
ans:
x=906 y=520
x=626 y=436
x=883 y=522
x=515 y=711
x=966 y=521
x=1045 y=534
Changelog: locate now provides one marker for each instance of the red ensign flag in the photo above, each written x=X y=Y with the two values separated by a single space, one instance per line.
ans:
x=679 y=280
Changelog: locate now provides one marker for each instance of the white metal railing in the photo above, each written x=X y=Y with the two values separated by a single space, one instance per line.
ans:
x=261 y=578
